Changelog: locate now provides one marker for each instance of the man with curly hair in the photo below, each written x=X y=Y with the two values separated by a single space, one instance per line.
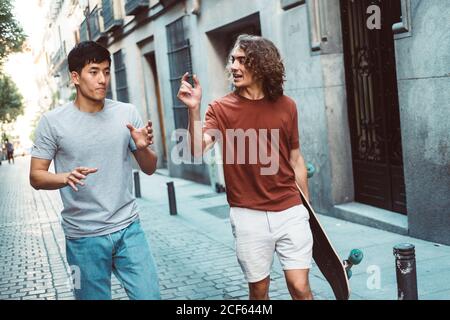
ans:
x=266 y=212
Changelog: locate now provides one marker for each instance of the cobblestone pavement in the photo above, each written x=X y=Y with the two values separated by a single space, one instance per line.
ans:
x=191 y=263
x=31 y=239
x=194 y=250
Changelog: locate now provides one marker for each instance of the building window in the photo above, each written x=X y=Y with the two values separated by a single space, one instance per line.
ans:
x=180 y=62
x=95 y=28
x=84 y=34
x=111 y=15
x=121 y=77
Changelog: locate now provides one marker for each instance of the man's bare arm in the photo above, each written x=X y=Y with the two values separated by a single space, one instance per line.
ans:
x=147 y=160
x=41 y=178
x=143 y=138
x=200 y=142
x=301 y=174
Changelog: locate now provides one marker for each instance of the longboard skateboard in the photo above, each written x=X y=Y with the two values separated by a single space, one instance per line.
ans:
x=335 y=271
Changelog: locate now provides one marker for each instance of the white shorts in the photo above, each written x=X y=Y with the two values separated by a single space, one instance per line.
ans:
x=258 y=234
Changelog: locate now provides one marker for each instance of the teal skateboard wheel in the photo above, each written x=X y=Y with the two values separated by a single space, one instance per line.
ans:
x=310 y=169
x=355 y=256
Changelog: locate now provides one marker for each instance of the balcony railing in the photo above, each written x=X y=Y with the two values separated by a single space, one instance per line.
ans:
x=110 y=14
x=84 y=35
x=133 y=7
x=95 y=27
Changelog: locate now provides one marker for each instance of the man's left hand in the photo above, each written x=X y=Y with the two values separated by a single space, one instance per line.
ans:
x=142 y=137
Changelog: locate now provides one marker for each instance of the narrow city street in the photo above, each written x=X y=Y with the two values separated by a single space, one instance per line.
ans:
x=194 y=249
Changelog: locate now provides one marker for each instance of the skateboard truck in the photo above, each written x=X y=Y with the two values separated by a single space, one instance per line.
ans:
x=354 y=258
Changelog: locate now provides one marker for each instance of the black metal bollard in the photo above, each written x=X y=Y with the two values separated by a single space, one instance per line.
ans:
x=137 y=184
x=405 y=265
x=172 y=199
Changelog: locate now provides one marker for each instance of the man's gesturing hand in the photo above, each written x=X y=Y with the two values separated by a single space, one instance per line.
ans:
x=77 y=175
x=142 y=137
x=189 y=95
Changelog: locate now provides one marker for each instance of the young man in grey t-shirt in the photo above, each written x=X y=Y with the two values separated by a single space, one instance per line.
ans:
x=90 y=141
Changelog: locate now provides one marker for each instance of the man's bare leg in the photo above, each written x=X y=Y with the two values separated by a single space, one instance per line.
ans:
x=298 y=284
x=259 y=290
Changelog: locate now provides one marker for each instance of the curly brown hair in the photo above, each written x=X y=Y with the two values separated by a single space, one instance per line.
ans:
x=264 y=61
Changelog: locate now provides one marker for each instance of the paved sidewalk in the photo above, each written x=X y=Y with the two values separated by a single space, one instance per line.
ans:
x=194 y=250
x=206 y=212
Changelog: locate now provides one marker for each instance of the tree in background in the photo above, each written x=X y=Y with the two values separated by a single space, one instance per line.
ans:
x=11 y=101
x=12 y=39
x=11 y=33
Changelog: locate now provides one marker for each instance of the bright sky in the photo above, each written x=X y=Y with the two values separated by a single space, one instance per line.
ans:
x=21 y=68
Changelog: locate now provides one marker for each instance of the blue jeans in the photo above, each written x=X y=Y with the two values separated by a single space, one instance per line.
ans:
x=125 y=252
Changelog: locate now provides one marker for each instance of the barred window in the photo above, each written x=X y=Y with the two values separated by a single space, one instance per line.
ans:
x=180 y=62
x=121 y=77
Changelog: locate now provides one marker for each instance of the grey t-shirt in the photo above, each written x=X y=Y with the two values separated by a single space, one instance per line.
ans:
x=72 y=138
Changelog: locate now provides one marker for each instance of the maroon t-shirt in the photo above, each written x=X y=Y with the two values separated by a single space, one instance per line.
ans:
x=254 y=178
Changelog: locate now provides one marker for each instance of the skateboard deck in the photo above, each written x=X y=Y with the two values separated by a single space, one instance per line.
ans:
x=326 y=257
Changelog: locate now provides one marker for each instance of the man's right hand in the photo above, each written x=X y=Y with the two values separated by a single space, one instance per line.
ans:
x=190 y=96
x=77 y=175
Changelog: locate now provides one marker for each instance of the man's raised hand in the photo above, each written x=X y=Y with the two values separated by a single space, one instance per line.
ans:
x=189 y=95
x=142 y=137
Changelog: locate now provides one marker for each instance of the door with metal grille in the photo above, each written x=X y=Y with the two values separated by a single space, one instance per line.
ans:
x=373 y=109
